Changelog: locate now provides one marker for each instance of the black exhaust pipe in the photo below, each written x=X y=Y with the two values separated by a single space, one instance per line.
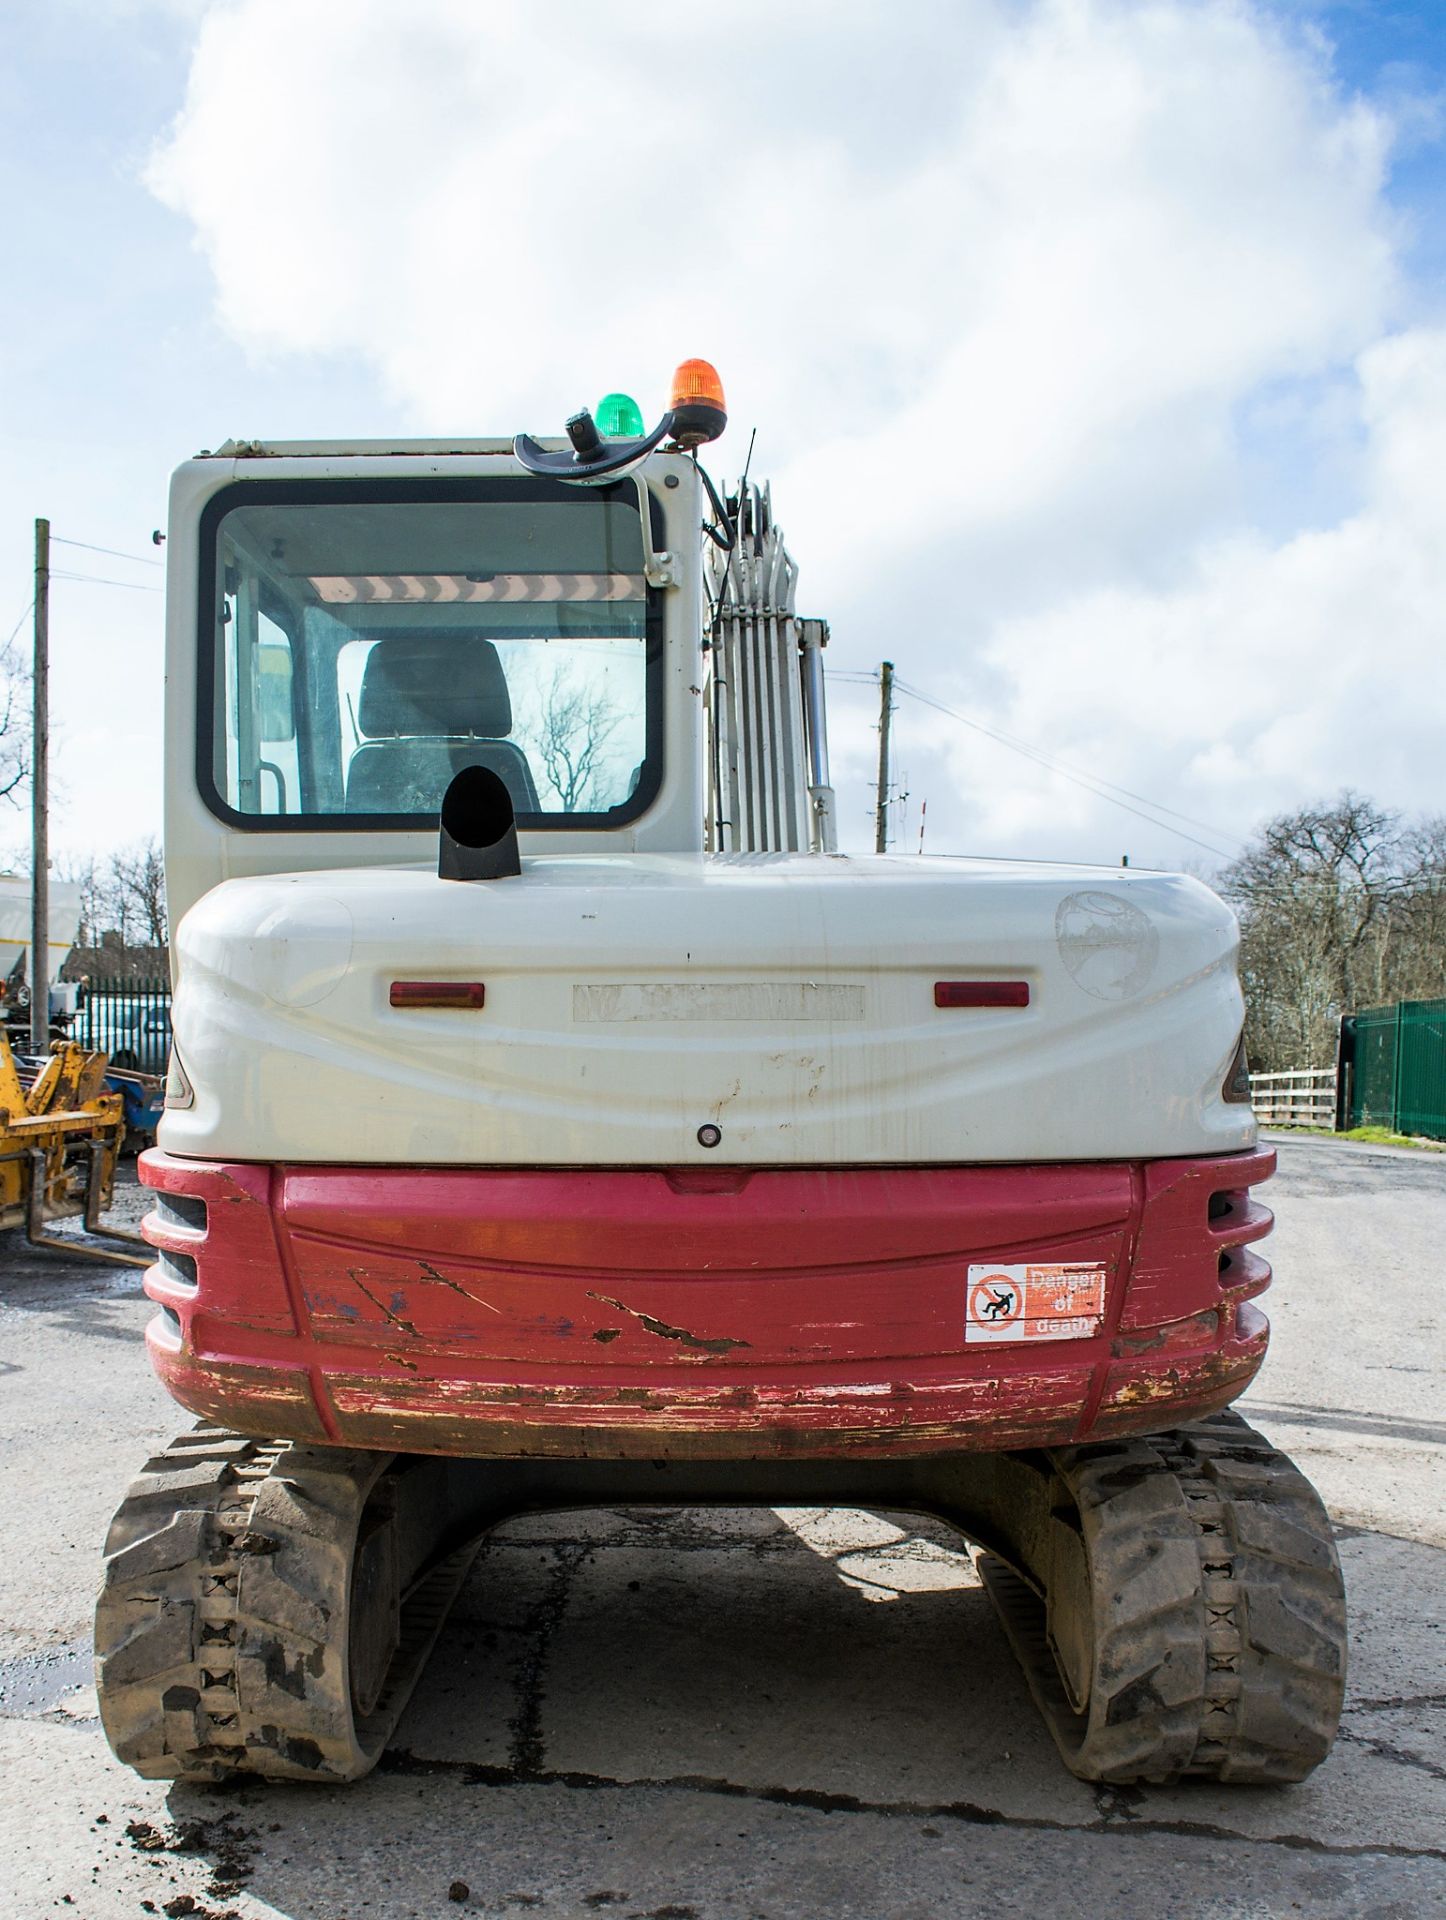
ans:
x=477 y=828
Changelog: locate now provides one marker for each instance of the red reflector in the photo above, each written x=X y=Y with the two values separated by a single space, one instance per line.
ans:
x=438 y=993
x=981 y=993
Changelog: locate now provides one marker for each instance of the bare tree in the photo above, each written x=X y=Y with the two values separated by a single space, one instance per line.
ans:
x=1416 y=959
x=14 y=718
x=138 y=889
x=122 y=894
x=83 y=871
x=574 y=723
x=1342 y=905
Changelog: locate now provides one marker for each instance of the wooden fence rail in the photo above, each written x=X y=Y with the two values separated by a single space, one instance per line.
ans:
x=1301 y=1097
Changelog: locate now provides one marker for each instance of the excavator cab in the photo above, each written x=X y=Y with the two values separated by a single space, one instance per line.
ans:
x=557 y=1118
x=364 y=650
x=408 y=643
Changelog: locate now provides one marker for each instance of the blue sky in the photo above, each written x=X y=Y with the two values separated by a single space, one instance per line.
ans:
x=1376 y=43
x=113 y=367
x=1396 y=53
x=1230 y=498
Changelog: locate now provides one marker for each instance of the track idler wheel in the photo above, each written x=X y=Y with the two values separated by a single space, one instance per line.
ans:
x=268 y=1607
x=1184 y=1612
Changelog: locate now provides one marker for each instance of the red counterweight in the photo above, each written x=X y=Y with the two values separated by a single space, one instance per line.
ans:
x=692 y=1313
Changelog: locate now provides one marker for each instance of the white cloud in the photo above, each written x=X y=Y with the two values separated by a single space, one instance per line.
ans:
x=997 y=281
x=1273 y=671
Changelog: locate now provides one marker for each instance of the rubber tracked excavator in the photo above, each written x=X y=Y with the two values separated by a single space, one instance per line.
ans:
x=557 y=1119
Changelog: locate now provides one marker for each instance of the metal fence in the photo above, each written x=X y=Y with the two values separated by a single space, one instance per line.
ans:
x=1393 y=1068
x=128 y=1019
x=1301 y=1097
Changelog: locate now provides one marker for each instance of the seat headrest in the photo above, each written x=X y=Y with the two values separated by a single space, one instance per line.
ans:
x=436 y=682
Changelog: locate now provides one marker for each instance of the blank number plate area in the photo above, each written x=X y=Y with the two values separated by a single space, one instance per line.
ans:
x=745 y=1000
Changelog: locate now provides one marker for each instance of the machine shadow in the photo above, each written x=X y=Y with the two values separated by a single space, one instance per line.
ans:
x=809 y=1657
x=735 y=1643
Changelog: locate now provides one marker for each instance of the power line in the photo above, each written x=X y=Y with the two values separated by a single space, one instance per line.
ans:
x=133 y=586
x=1011 y=739
x=1429 y=883
x=19 y=624
x=141 y=559
x=1102 y=789
x=1094 y=783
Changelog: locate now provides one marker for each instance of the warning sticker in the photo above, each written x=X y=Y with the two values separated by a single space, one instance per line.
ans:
x=1034 y=1302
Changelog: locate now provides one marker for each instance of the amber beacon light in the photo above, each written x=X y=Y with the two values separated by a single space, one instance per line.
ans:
x=697 y=410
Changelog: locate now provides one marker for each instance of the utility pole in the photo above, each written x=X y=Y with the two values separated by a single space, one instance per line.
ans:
x=39 y=797
x=886 y=709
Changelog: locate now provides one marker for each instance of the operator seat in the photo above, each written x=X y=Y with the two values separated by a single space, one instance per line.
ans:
x=432 y=703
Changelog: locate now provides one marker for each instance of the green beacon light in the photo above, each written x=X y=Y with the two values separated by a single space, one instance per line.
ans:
x=619 y=417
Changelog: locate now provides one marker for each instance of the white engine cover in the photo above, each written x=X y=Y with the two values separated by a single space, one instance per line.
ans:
x=786 y=999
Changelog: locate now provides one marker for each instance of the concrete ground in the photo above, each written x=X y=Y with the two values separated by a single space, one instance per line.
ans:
x=692 y=1715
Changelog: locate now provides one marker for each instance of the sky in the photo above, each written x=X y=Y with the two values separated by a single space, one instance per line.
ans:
x=1096 y=352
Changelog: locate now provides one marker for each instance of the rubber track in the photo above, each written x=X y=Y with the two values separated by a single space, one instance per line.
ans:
x=1219 y=1627
x=222 y=1628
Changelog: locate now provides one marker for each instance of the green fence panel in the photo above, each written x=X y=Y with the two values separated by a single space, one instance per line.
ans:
x=1421 y=1069
x=1373 y=1078
x=1398 y=1068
